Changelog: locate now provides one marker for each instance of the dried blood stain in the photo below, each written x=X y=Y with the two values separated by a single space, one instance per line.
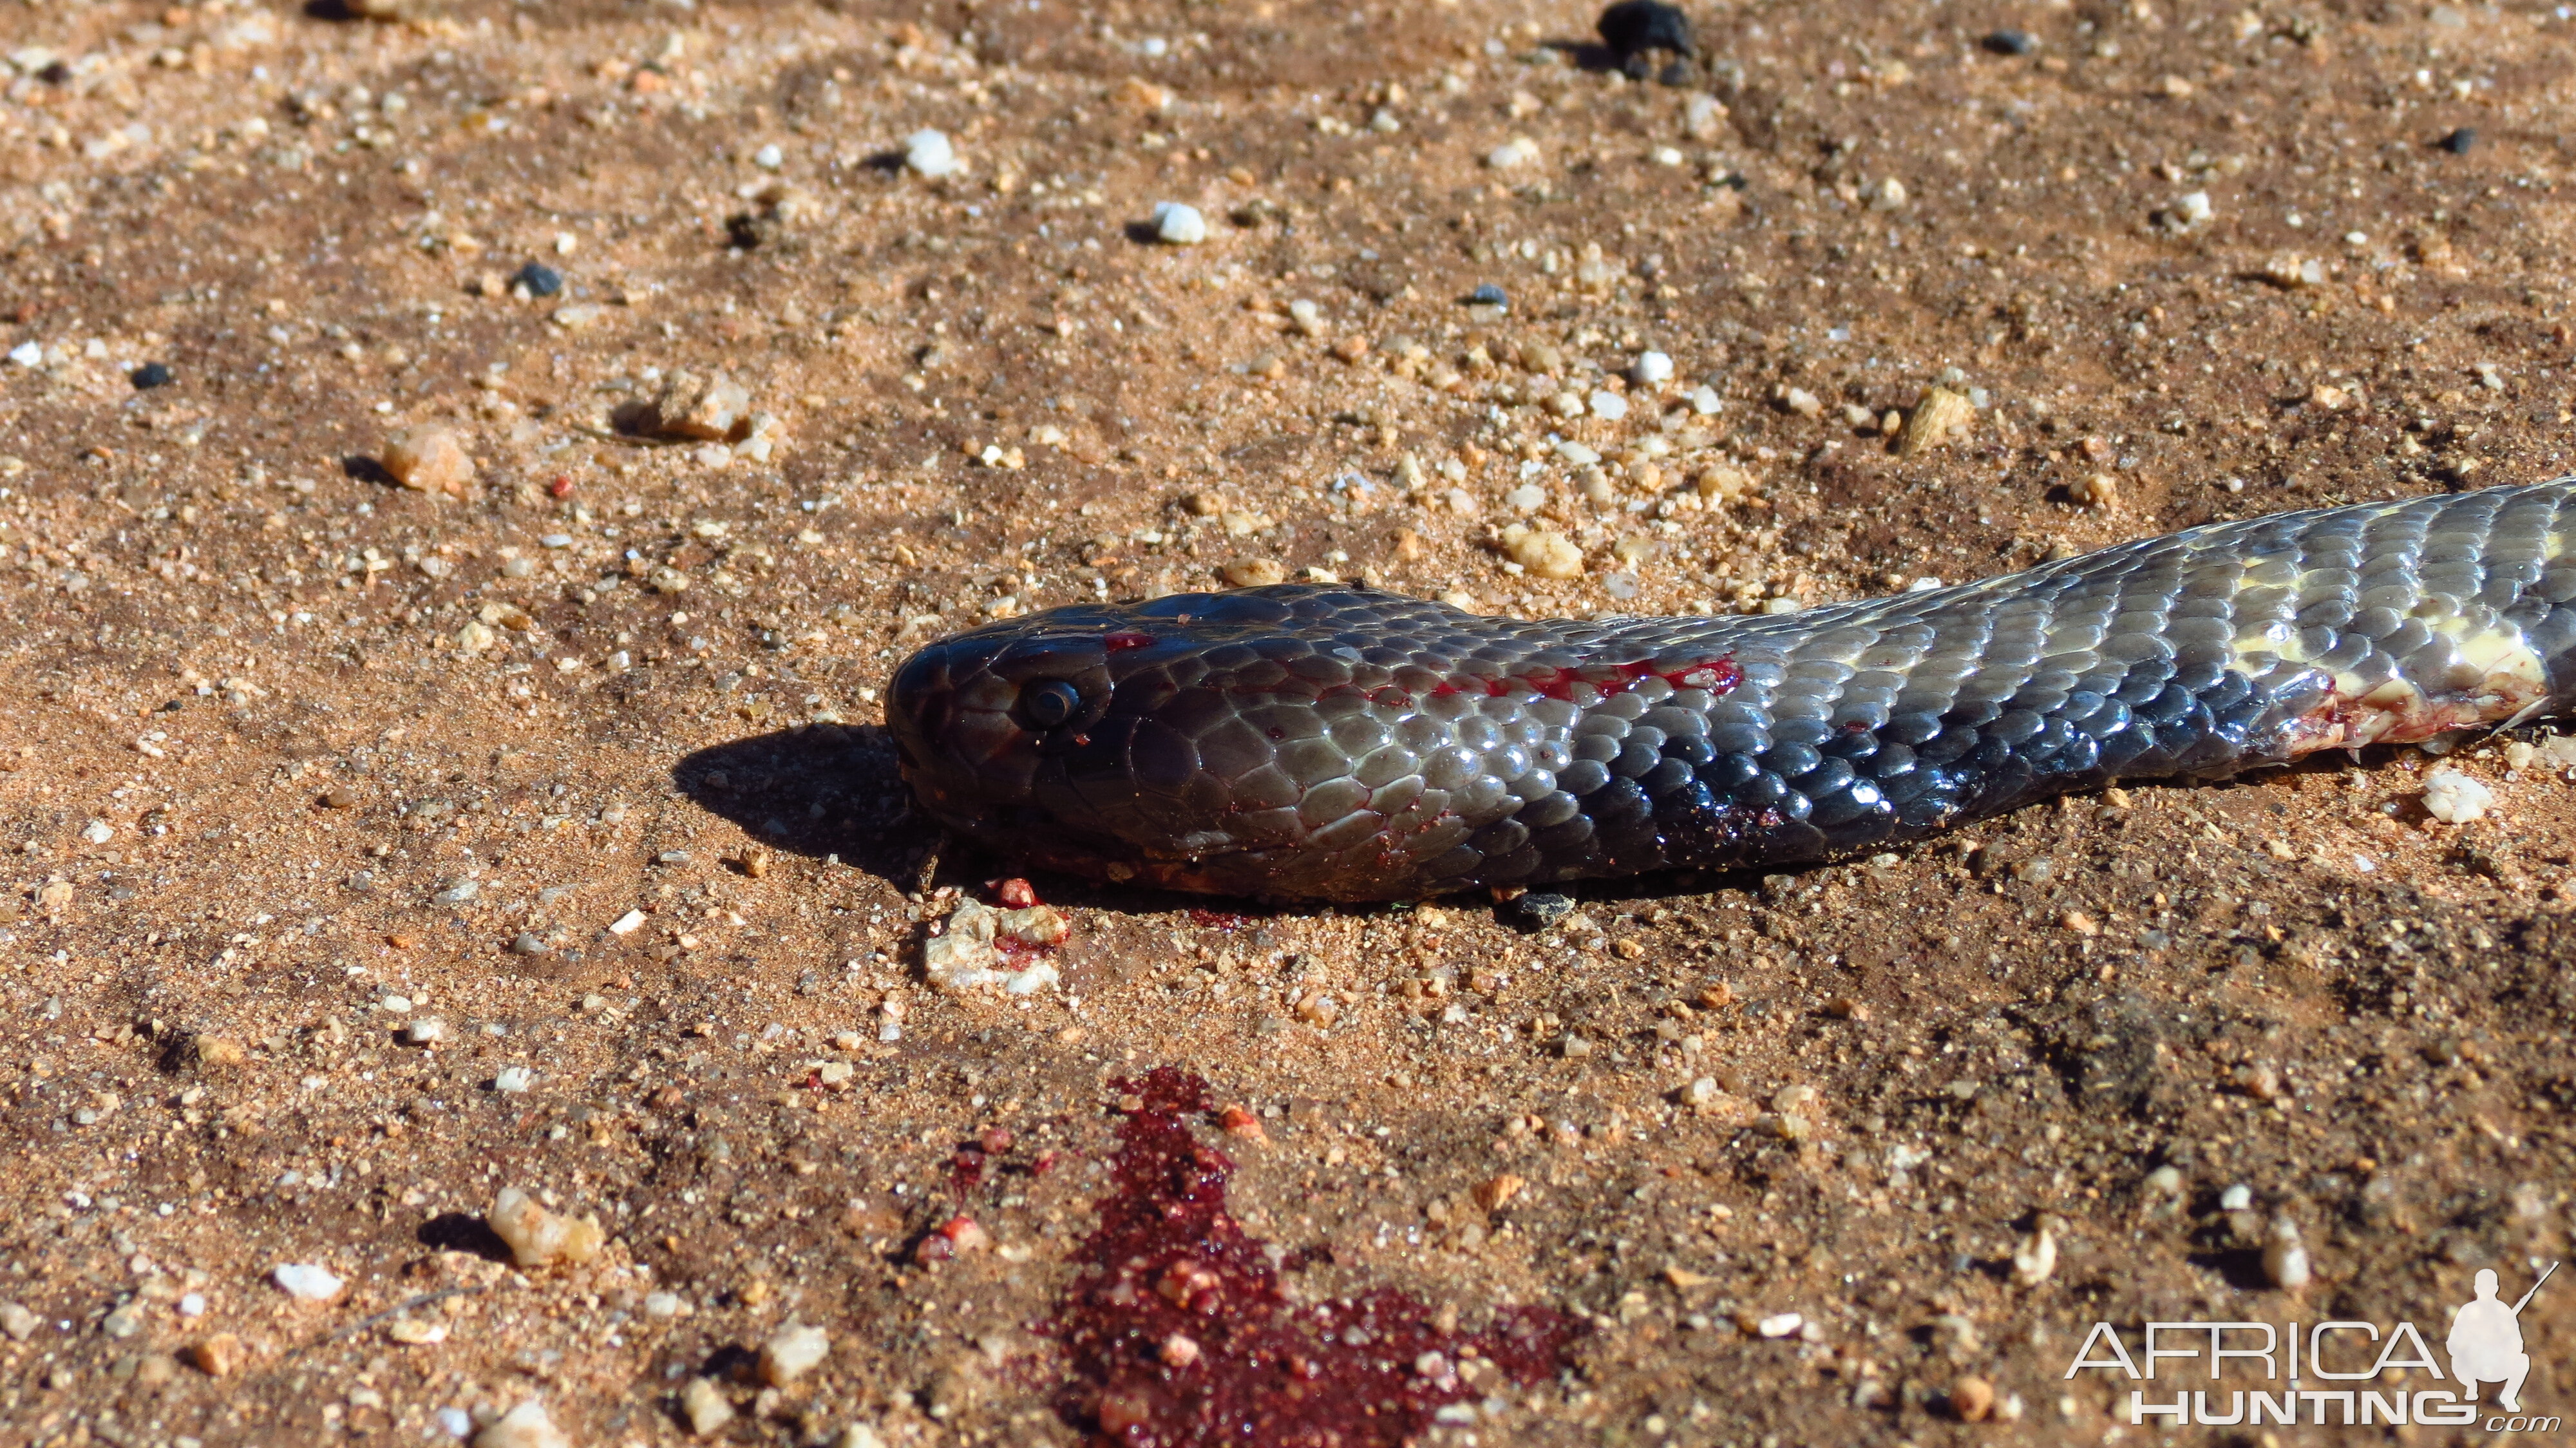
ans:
x=1179 y=1335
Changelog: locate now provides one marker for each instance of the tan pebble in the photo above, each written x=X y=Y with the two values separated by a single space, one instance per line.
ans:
x=1942 y=414
x=1723 y=483
x=217 y=1356
x=791 y=1352
x=539 y=1238
x=155 y=1370
x=1628 y=948
x=763 y=434
x=1972 y=1399
x=2081 y=923
x=1495 y=1192
x=2097 y=490
x=2036 y=1259
x=525 y=1426
x=1205 y=503
x=1138 y=94
x=429 y=460
x=2289 y=269
x=704 y=1405
x=1543 y=554
x=2285 y=1256
x=215 y=1053
x=1845 y=1008
x=411 y=1332
x=1252 y=573
x=691 y=404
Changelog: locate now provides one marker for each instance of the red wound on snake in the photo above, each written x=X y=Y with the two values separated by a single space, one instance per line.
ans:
x=1717 y=676
x=1119 y=643
x=1180 y=1336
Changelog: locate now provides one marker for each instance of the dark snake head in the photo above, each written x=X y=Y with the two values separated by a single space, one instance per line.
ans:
x=1038 y=738
x=1136 y=742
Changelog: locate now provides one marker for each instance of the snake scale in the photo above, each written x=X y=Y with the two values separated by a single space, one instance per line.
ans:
x=1322 y=742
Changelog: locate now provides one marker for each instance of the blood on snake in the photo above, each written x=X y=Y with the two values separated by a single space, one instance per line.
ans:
x=1323 y=742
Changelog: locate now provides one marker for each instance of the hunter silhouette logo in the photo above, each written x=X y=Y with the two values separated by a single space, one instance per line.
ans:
x=2486 y=1342
x=2334 y=1373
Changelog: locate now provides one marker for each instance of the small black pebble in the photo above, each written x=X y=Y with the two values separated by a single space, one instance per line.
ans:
x=1488 y=295
x=2011 y=42
x=1676 y=75
x=1540 y=909
x=540 y=280
x=149 y=376
x=2459 y=142
x=1634 y=25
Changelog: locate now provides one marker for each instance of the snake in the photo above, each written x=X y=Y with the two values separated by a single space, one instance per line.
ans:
x=1327 y=742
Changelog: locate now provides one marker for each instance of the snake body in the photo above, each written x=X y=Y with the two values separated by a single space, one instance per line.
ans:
x=1340 y=743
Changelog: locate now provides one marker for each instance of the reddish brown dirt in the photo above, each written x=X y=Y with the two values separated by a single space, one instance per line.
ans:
x=291 y=758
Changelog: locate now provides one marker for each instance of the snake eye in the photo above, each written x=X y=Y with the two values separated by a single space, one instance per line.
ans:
x=1050 y=702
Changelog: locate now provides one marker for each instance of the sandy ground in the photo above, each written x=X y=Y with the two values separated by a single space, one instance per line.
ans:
x=373 y=850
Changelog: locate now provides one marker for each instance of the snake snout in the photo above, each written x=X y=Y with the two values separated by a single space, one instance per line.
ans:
x=975 y=716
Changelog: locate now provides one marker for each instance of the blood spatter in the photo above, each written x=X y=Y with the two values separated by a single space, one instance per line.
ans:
x=1179 y=1335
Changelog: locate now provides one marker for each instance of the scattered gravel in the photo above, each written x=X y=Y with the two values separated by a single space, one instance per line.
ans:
x=271 y=682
